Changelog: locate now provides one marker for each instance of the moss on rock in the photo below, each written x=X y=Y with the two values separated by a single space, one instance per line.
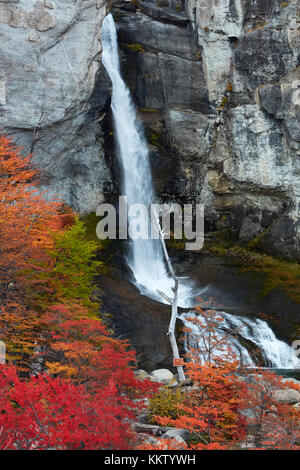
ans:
x=277 y=273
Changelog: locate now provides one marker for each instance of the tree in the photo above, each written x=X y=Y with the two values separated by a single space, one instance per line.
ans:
x=80 y=348
x=173 y=301
x=207 y=341
x=26 y=221
x=71 y=270
x=45 y=413
x=273 y=424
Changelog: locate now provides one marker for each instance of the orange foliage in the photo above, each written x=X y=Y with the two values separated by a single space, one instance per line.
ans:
x=26 y=220
x=226 y=401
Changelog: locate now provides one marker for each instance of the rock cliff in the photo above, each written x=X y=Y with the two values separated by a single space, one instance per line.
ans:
x=218 y=86
x=217 y=83
x=50 y=100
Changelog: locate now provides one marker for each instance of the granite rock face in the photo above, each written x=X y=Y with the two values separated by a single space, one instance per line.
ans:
x=217 y=84
x=220 y=98
x=162 y=64
x=50 y=98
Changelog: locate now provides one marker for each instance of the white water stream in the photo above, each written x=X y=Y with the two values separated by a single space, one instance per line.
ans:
x=146 y=257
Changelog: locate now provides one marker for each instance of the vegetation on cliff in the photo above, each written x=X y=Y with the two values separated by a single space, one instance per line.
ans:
x=67 y=382
x=275 y=272
x=62 y=362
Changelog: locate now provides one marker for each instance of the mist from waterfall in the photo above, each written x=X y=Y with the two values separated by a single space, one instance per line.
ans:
x=145 y=257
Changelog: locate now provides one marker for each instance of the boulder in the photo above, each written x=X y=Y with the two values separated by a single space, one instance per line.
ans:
x=162 y=375
x=147 y=428
x=141 y=374
x=142 y=418
x=289 y=396
x=176 y=432
x=180 y=442
x=143 y=320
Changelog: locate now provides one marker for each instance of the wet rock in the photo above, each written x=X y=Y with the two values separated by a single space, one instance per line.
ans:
x=142 y=320
x=167 y=15
x=142 y=418
x=248 y=443
x=249 y=229
x=291 y=380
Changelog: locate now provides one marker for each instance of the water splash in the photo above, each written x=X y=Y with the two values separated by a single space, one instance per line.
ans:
x=276 y=353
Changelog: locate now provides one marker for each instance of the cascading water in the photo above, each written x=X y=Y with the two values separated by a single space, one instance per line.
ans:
x=275 y=353
x=146 y=257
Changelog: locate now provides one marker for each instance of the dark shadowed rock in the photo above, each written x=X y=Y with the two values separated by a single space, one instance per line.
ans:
x=138 y=318
x=249 y=229
x=167 y=15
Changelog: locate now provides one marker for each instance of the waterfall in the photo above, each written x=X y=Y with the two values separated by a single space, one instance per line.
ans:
x=275 y=353
x=146 y=257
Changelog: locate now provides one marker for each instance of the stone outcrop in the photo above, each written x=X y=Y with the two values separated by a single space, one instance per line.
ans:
x=50 y=98
x=162 y=375
x=138 y=318
x=217 y=84
x=220 y=101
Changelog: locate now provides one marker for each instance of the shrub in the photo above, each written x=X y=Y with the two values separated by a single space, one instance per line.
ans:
x=165 y=404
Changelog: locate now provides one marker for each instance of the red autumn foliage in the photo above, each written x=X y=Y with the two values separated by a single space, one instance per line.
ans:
x=228 y=402
x=95 y=393
x=80 y=348
x=45 y=413
x=274 y=425
x=26 y=221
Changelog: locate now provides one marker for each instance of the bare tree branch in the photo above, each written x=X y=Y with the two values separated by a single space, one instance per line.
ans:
x=173 y=301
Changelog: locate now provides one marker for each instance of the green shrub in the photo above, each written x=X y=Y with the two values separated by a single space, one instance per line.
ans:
x=73 y=268
x=134 y=47
x=165 y=404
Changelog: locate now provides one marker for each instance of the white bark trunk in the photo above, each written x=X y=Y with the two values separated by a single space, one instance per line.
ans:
x=172 y=301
